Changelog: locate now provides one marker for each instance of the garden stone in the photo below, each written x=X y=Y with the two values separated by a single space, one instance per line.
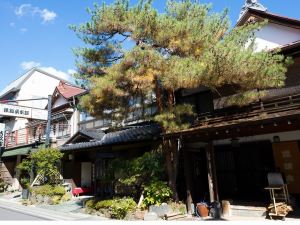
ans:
x=161 y=210
x=150 y=216
x=40 y=199
x=139 y=214
x=47 y=200
x=33 y=199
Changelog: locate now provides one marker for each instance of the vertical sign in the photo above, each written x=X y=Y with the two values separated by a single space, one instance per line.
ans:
x=2 y=134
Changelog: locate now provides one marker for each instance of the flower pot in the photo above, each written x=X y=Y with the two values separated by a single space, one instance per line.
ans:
x=202 y=210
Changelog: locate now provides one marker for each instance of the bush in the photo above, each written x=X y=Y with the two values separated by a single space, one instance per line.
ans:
x=48 y=190
x=90 y=204
x=156 y=193
x=66 y=197
x=59 y=190
x=106 y=204
x=132 y=174
x=122 y=207
x=55 y=199
x=3 y=185
x=116 y=208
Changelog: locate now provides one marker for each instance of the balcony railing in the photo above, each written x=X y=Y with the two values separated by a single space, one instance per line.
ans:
x=31 y=135
x=280 y=105
x=22 y=137
x=136 y=115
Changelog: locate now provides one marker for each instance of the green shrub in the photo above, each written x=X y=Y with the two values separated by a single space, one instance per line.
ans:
x=122 y=207
x=156 y=193
x=90 y=204
x=48 y=190
x=117 y=208
x=66 y=197
x=59 y=190
x=106 y=204
x=55 y=199
x=3 y=185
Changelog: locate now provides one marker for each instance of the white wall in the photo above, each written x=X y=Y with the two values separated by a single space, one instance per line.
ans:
x=59 y=101
x=273 y=35
x=38 y=85
x=74 y=122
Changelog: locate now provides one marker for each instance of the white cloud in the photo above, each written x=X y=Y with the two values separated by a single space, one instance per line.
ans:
x=45 y=14
x=71 y=71
x=27 y=65
x=23 y=30
x=58 y=73
x=24 y=9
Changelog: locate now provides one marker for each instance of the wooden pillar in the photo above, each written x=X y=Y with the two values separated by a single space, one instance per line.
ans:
x=211 y=173
x=188 y=180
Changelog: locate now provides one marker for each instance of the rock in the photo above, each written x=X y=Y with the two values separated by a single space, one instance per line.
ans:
x=150 y=216
x=161 y=210
x=139 y=215
x=40 y=199
x=33 y=199
x=47 y=200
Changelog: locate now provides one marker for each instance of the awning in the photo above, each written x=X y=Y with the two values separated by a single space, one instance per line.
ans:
x=18 y=151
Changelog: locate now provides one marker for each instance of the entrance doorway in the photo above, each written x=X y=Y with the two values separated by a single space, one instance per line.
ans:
x=242 y=170
x=86 y=174
x=198 y=172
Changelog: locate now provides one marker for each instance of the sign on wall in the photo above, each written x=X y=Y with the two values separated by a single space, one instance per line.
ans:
x=23 y=112
x=2 y=134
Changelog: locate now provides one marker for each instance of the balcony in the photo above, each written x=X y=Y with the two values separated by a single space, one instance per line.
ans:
x=22 y=137
x=60 y=132
x=137 y=115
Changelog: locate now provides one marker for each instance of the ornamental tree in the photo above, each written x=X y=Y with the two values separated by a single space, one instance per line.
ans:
x=136 y=56
x=45 y=162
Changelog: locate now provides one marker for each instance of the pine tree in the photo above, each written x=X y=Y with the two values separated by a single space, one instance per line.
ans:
x=187 y=46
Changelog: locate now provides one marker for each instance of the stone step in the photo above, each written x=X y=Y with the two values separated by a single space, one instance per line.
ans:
x=248 y=211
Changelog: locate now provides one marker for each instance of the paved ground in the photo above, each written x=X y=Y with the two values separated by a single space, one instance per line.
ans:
x=13 y=209
x=9 y=214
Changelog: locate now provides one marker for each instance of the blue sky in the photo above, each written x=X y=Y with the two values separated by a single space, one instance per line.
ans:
x=36 y=33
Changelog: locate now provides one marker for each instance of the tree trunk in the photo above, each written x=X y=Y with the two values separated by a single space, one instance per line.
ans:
x=188 y=181
x=158 y=95
x=170 y=147
x=171 y=154
x=211 y=173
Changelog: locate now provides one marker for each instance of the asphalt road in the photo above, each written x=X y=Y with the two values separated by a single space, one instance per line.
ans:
x=8 y=214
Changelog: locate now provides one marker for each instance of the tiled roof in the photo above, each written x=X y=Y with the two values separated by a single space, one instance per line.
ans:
x=270 y=16
x=131 y=134
x=88 y=134
x=68 y=91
